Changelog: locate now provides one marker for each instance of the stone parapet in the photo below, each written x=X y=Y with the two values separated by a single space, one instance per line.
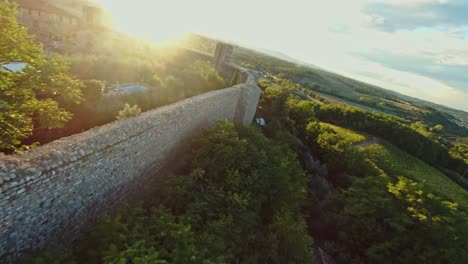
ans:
x=51 y=193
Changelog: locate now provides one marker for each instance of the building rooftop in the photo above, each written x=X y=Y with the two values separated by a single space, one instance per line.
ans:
x=134 y=88
x=126 y=89
x=12 y=66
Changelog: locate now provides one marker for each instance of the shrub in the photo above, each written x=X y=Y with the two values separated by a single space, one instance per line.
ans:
x=128 y=111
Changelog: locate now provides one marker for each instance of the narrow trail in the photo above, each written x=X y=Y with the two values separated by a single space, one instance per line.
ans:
x=309 y=97
x=320 y=257
x=367 y=142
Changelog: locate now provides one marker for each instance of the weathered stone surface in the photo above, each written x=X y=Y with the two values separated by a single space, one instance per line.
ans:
x=52 y=192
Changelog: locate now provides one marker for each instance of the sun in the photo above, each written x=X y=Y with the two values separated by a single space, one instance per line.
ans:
x=158 y=21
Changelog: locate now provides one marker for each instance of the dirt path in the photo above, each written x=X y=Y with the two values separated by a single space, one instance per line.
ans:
x=310 y=97
x=367 y=142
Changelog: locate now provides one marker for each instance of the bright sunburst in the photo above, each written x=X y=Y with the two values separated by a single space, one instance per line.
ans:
x=334 y=34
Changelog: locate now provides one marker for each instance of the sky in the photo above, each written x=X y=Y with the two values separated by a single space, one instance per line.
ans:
x=415 y=47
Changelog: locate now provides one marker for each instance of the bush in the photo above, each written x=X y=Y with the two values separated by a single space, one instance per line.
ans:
x=128 y=111
x=92 y=90
x=241 y=203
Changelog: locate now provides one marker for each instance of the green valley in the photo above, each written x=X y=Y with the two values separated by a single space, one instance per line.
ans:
x=398 y=163
x=116 y=149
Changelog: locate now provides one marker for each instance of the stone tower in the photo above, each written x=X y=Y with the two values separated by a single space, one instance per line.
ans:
x=223 y=54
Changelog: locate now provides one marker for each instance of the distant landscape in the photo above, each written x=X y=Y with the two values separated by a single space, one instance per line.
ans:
x=331 y=84
x=200 y=150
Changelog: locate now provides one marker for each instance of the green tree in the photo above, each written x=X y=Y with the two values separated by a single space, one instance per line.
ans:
x=437 y=128
x=173 y=88
x=136 y=253
x=241 y=203
x=380 y=221
x=40 y=91
x=128 y=111
x=252 y=191
x=92 y=90
x=422 y=128
x=155 y=81
x=440 y=230
x=302 y=113
x=203 y=69
x=371 y=224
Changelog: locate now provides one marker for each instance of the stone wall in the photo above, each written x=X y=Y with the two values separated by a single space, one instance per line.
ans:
x=52 y=192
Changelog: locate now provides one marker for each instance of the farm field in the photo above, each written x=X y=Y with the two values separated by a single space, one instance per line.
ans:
x=398 y=163
x=336 y=100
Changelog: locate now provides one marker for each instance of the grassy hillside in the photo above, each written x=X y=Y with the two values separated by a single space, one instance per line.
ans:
x=337 y=100
x=343 y=90
x=357 y=213
x=398 y=163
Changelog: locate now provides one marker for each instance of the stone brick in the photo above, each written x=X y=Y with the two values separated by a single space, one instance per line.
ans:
x=65 y=185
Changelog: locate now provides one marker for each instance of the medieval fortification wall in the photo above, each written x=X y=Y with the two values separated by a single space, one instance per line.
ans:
x=52 y=192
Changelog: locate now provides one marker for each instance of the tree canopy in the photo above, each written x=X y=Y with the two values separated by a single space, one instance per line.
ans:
x=36 y=95
x=369 y=216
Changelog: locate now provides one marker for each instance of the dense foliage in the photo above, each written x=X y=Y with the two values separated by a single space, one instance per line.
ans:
x=396 y=221
x=416 y=140
x=243 y=197
x=128 y=111
x=460 y=149
x=240 y=203
x=60 y=95
x=398 y=134
x=39 y=94
x=167 y=83
x=370 y=214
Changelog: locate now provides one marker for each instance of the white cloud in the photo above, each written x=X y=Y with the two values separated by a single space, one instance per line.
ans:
x=453 y=58
x=410 y=2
